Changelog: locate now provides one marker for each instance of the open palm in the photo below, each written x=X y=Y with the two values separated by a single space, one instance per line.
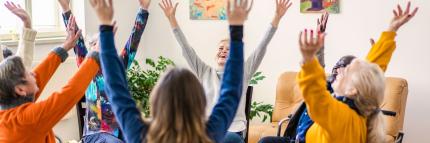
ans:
x=282 y=7
x=402 y=17
x=20 y=12
x=168 y=8
x=310 y=44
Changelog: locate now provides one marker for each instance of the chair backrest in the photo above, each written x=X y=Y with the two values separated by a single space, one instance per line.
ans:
x=288 y=96
x=396 y=93
x=288 y=99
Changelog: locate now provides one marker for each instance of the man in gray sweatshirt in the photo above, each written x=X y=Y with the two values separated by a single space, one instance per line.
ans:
x=211 y=77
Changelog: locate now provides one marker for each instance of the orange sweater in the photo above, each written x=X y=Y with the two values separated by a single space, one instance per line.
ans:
x=335 y=122
x=33 y=122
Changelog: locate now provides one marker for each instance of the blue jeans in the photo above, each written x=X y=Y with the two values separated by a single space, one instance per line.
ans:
x=101 y=138
x=233 y=137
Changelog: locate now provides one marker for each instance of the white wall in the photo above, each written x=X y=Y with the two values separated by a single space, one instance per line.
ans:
x=348 y=33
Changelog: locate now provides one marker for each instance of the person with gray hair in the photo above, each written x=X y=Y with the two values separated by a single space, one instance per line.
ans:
x=22 y=119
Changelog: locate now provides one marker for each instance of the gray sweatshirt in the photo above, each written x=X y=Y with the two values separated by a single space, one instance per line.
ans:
x=210 y=77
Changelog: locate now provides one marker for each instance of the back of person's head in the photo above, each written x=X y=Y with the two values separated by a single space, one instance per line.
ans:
x=178 y=109
x=369 y=82
x=12 y=73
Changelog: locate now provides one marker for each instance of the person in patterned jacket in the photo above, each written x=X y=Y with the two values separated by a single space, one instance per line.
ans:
x=100 y=124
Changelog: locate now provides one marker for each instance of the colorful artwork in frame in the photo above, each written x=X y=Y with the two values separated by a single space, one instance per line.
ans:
x=208 y=9
x=319 y=6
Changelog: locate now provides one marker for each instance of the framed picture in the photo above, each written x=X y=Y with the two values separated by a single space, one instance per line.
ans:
x=208 y=9
x=319 y=6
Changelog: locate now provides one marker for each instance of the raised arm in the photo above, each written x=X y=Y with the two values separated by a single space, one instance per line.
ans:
x=28 y=35
x=254 y=61
x=321 y=27
x=193 y=60
x=322 y=107
x=80 y=49
x=129 y=52
x=44 y=71
x=382 y=51
x=50 y=111
x=123 y=105
x=231 y=86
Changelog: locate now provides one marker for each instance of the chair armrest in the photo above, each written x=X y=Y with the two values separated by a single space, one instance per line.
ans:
x=281 y=123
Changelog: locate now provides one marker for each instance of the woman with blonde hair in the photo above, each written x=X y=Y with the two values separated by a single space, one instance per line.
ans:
x=380 y=54
x=354 y=115
x=210 y=77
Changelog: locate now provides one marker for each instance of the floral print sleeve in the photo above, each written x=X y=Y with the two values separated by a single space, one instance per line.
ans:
x=129 y=52
x=80 y=48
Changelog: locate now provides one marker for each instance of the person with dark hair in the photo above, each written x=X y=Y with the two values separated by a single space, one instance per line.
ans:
x=178 y=100
x=99 y=122
x=22 y=119
x=5 y=52
x=380 y=54
x=27 y=38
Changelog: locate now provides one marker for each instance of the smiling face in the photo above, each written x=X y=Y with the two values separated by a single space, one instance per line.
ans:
x=222 y=54
x=341 y=85
x=340 y=66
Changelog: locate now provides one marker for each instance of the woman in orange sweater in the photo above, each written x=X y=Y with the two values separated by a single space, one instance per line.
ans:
x=22 y=120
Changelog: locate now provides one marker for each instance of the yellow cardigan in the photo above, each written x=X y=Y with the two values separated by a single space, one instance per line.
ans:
x=334 y=121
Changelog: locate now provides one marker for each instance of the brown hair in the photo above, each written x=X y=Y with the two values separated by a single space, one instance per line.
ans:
x=178 y=109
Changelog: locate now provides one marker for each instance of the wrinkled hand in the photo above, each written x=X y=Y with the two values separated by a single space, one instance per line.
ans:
x=282 y=7
x=322 y=22
x=72 y=34
x=401 y=17
x=20 y=12
x=65 y=5
x=238 y=13
x=144 y=4
x=168 y=8
x=104 y=10
x=310 y=45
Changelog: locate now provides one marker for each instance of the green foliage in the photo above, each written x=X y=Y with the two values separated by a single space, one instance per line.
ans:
x=258 y=109
x=141 y=82
x=256 y=78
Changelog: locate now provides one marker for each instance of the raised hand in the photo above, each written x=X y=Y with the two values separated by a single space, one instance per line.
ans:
x=20 y=12
x=65 y=5
x=104 y=10
x=322 y=22
x=282 y=7
x=310 y=45
x=168 y=8
x=238 y=13
x=402 y=17
x=72 y=34
x=144 y=4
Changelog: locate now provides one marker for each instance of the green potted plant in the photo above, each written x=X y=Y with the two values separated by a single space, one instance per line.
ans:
x=141 y=81
x=258 y=109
